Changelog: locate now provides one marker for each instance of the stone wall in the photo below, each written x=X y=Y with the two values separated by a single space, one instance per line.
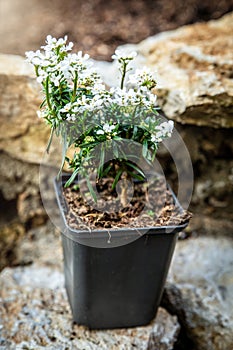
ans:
x=22 y=142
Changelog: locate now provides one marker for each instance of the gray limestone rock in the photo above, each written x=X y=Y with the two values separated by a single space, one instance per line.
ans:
x=200 y=290
x=35 y=315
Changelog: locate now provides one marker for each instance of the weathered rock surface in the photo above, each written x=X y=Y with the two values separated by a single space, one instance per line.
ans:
x=11 y=235
x=21 y=205
x=211 y=153
x=163 y=333
x=22 y=134
x=199 y=290
x=194 y=65
x=35 y=314
x=23 y=138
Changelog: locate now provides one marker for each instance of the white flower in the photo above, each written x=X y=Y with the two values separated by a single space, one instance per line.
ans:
x=71 y=117
x=153 y=138
x=32 y=57
x=29 y=55
x=108 y=128
x=122 y=97
x=162 y=131
x=65 y=68
x=66 y=108
x=40 y=79
x=97 y=101
x=81 y=57
x=121 y=55
x=152 y=99
x=40 y=114
x=98 y=87
x=53 y=43
x=69 y=46
x=142 y=78
x=166 y=128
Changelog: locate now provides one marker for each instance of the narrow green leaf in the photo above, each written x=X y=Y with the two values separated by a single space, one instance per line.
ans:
x=106 y=170
x=50 y=140
x=136 y=176
x=89 y=144
x=72 y=178
x=144 y=148
x=91 y=189
x=135 y=167
x=43 y=103
x=64 y=150
x=115 y=150
x=101 y=166
x=135 y=130
x=118 y=175
x=153 y=155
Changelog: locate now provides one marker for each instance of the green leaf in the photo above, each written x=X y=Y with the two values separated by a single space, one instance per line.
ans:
x=89 y=144
x=91 y=189
x=101 y=166
x=106 y=170
x=115 y=150
x=118 y=175
x=43 y=103
x=135 y=130
x=117 y=138
x=64 y=150
x=153 y=155
x=136 y=176
x=135 y=167
x=72 y=178
x=145 y=148
x=50 y=140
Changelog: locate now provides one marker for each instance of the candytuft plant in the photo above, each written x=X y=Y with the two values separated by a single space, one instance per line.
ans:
x=85 y=113
x=110 y=200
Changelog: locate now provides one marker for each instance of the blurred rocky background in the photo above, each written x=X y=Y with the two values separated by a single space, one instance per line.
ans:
x=195 y=89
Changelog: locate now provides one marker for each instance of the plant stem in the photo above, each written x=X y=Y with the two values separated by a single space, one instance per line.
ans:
x=50 y=139
x=123 y=74
x=47 y=94
x=75 y=86
x=47 y=97
x=123 y=196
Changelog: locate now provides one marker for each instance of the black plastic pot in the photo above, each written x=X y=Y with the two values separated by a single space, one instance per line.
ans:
x=120 y=286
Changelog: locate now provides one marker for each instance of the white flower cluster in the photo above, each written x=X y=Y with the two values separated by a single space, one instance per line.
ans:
x=138 y=85
x=142 y=78
x=133 y=97
x=56 y=63
x=72 y=87
x=121 y=56
x=85 y=103
x=163 y=130
x=107 y=129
